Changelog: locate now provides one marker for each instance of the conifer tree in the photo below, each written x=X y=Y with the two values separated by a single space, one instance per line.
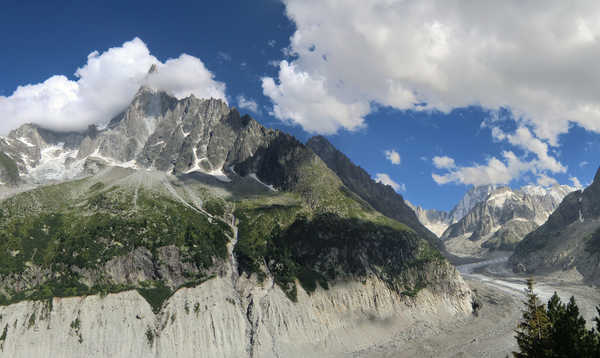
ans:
x=533 y=331
x=569 y=336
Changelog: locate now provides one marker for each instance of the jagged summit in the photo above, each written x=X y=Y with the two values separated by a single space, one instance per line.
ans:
x=491 y=217
x=155 y=131
x=503 y=218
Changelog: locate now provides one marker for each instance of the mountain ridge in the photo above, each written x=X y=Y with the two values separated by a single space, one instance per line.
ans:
x=497 y=219
x=568 y=240
x=202 y=198
x=381 y=197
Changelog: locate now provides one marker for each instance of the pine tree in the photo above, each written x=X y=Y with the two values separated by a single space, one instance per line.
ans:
x=569 y=336
x=593 y=341
x=533 y=332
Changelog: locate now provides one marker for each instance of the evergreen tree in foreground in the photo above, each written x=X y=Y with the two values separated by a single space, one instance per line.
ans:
x=558 y=331
x=533 y=331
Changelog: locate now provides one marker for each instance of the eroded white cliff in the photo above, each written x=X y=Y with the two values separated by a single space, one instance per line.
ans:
x=217 y=320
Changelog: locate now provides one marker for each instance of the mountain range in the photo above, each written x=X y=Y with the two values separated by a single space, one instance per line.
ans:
x=492 y=218
x=183 y=221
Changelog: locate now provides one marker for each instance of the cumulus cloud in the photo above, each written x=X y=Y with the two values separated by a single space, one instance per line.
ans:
x=536 y=160
x=247 y=103
x=576 y=182
x=525 y=140
x=583 y=163
x=443 y=54
x=303 y=98
x=495 y=171
x=104 y=86
x=444 y=162
x=393 y=156
x=385 y=179
x=545 y=180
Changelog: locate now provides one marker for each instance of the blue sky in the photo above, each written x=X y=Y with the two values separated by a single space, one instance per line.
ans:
x=446 y=81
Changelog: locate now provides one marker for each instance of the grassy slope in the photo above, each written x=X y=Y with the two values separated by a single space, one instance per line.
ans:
x=63 y=229
x=322 y=232
x=317 y=232
x=8 y=169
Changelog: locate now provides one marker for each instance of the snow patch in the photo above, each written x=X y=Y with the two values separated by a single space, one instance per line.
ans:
x=253 y=176
x=113 y=163
x=51 y=165
x=498 y=199
x=185 y=134
x=26 y=141
x=217 y=173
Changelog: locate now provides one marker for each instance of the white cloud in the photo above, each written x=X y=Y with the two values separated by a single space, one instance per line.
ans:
x=223 y=56
x=393 y=156
x=524 y=139
x=443 y=162
x=444 y=53
x=583 y=164
x=184 y=76
x=302 y=98
x=576 y=182
x=545 y=180
x=247 y=103
x=495 y=171
x=105 y=85
x=386 y=180
x=536 y=160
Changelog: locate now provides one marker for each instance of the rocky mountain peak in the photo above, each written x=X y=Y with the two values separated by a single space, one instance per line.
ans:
x=503 y=218
x=155 y=131
x=475 y=195
x=153 y=68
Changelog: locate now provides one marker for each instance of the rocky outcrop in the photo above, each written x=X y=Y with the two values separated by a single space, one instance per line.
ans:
x=569 y=239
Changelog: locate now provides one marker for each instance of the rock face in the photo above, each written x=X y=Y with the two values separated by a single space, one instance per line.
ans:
x=155 y=131
x=569 y=239
x=474 y=196
x=185 y=229
x=381 y=197
x=438 y=221
x=502 y=219
x=218 y=319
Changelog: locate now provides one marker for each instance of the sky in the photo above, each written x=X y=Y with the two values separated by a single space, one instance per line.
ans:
x=430 y=97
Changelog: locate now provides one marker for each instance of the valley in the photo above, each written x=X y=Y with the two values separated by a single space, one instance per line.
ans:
x=490 y=333
x=299 y=179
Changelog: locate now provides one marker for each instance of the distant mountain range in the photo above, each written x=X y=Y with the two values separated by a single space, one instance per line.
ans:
x=493 y=218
